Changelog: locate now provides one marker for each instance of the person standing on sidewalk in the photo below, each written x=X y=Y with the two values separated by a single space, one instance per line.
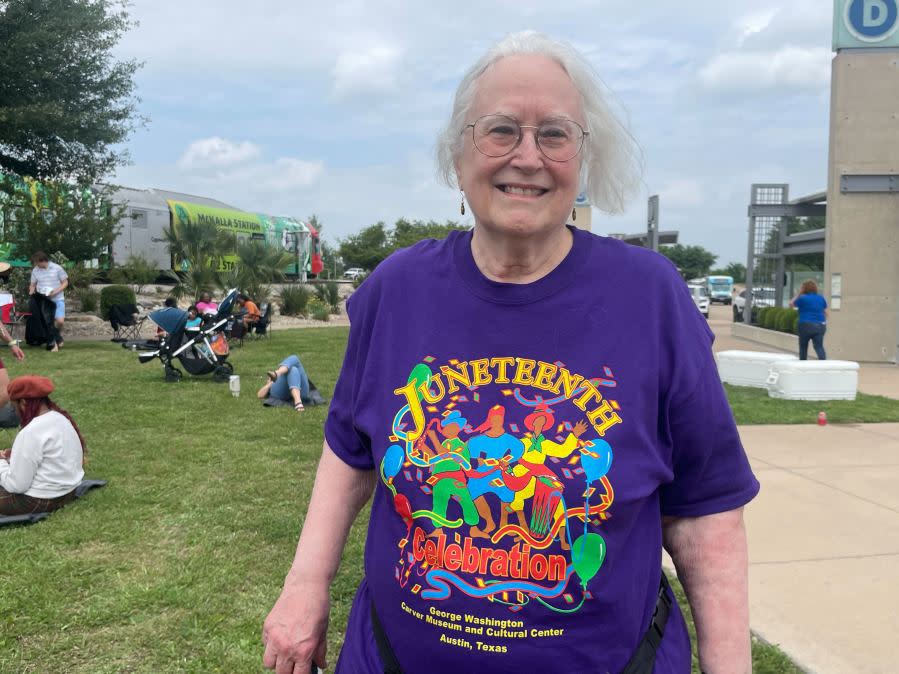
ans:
x=525 y=311
x=812 y=319
x=48 y=278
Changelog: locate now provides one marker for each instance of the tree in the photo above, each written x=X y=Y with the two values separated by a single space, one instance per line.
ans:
x=372 y=245
x=692 y=261
x=367 y=249
x=79 y=223
x=66 y=104
x=735 y=270
x=406 y=233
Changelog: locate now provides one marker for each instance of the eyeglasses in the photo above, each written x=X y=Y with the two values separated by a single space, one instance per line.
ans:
x=497 y=135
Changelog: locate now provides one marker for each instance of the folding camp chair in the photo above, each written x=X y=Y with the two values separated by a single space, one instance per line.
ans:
x=13 y=320
x=126 y=322
x=263 y=326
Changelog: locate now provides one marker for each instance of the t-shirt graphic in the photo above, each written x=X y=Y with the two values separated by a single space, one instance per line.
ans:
x=518 y=495
x=528 y=440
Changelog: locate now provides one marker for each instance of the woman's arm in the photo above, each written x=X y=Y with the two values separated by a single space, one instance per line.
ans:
x=17 y=474
x=295 y=631
x=711 y=558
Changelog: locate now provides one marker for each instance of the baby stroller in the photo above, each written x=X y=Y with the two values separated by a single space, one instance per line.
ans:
x=201 y=350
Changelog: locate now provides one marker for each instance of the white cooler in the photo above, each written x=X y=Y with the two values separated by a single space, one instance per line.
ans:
x=748 y=368
x=813 y=380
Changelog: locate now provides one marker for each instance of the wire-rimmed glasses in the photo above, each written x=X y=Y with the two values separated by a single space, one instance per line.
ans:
x=559 y=139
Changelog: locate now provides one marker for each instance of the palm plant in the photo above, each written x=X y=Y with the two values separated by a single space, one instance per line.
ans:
x=198 y=251
x=258 y=264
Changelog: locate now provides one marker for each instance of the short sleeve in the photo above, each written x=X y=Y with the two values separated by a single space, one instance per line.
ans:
x=341 y=431
x=61 y=272
x=711 y=470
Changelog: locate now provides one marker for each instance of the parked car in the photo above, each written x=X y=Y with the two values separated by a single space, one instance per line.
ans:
x=353 y=273
x=700 y=298
x=761 y=297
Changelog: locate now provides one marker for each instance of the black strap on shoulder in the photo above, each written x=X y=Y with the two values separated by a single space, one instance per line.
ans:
x=391 y=665
x=644 y=658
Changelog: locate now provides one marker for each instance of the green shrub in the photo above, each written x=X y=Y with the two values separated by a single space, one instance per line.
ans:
x=796 y=323
x=81 y=276
x=18 y=284
x=785 y=320
x=137 y=271
x=294 y=300
x=770 y=321
x=763 y=316
x=115 y=295
x=318 y=310
x=88 y=298
x=329 y=294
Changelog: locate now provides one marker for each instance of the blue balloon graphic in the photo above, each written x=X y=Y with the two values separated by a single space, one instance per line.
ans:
x=597 y=466
x=393 y=460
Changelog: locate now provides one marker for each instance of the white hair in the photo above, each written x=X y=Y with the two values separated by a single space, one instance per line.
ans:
x=611 y=160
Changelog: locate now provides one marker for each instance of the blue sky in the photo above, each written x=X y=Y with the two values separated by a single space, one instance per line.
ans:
x=333 y=108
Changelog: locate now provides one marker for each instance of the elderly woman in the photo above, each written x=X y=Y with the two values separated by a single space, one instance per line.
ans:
x=525 y=313
x=41 y=471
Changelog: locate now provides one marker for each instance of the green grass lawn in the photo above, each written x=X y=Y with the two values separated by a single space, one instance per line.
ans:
x=173 y=566
x=753 y=406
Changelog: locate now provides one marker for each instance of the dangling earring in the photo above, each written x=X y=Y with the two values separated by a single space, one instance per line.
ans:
x=573 y=214
x=462 y=207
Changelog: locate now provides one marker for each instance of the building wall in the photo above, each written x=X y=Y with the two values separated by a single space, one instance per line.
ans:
x=863 y=229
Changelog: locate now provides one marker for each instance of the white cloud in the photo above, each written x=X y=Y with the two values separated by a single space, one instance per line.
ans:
x=369 y=71
x=753 y=24
x=217 y=152
x=289 y=173
x=681 y=192
x=806 y=69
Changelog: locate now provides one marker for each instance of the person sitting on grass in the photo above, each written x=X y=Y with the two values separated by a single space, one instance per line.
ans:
x=289 y=382
x=45 y=465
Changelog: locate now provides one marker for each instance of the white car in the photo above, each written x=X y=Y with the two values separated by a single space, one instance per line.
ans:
x=761 y=297
x=353 y=273
x=700 y=298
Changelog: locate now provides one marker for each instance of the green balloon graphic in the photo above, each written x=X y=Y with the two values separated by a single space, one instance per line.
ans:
x=421 y=374
x=587 y=555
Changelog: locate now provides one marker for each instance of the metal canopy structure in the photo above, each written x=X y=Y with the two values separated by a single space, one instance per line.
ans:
x=642 y=238
x=769 y=243
x=652 y=238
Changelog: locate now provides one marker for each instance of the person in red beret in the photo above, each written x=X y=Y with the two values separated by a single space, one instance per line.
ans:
x=45 y=464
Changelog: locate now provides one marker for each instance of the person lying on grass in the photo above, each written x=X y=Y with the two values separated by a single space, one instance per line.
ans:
x=45 y=464
x=288 y=382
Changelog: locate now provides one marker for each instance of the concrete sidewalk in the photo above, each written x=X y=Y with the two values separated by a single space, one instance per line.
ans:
x=824 y=544
x=824 y=532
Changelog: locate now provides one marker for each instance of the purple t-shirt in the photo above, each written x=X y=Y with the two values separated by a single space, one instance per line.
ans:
x=578 y=410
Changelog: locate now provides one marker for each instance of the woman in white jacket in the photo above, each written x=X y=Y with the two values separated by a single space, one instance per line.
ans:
x=46 y=461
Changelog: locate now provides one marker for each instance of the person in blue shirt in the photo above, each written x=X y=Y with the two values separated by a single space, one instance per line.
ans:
x=812 y=319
